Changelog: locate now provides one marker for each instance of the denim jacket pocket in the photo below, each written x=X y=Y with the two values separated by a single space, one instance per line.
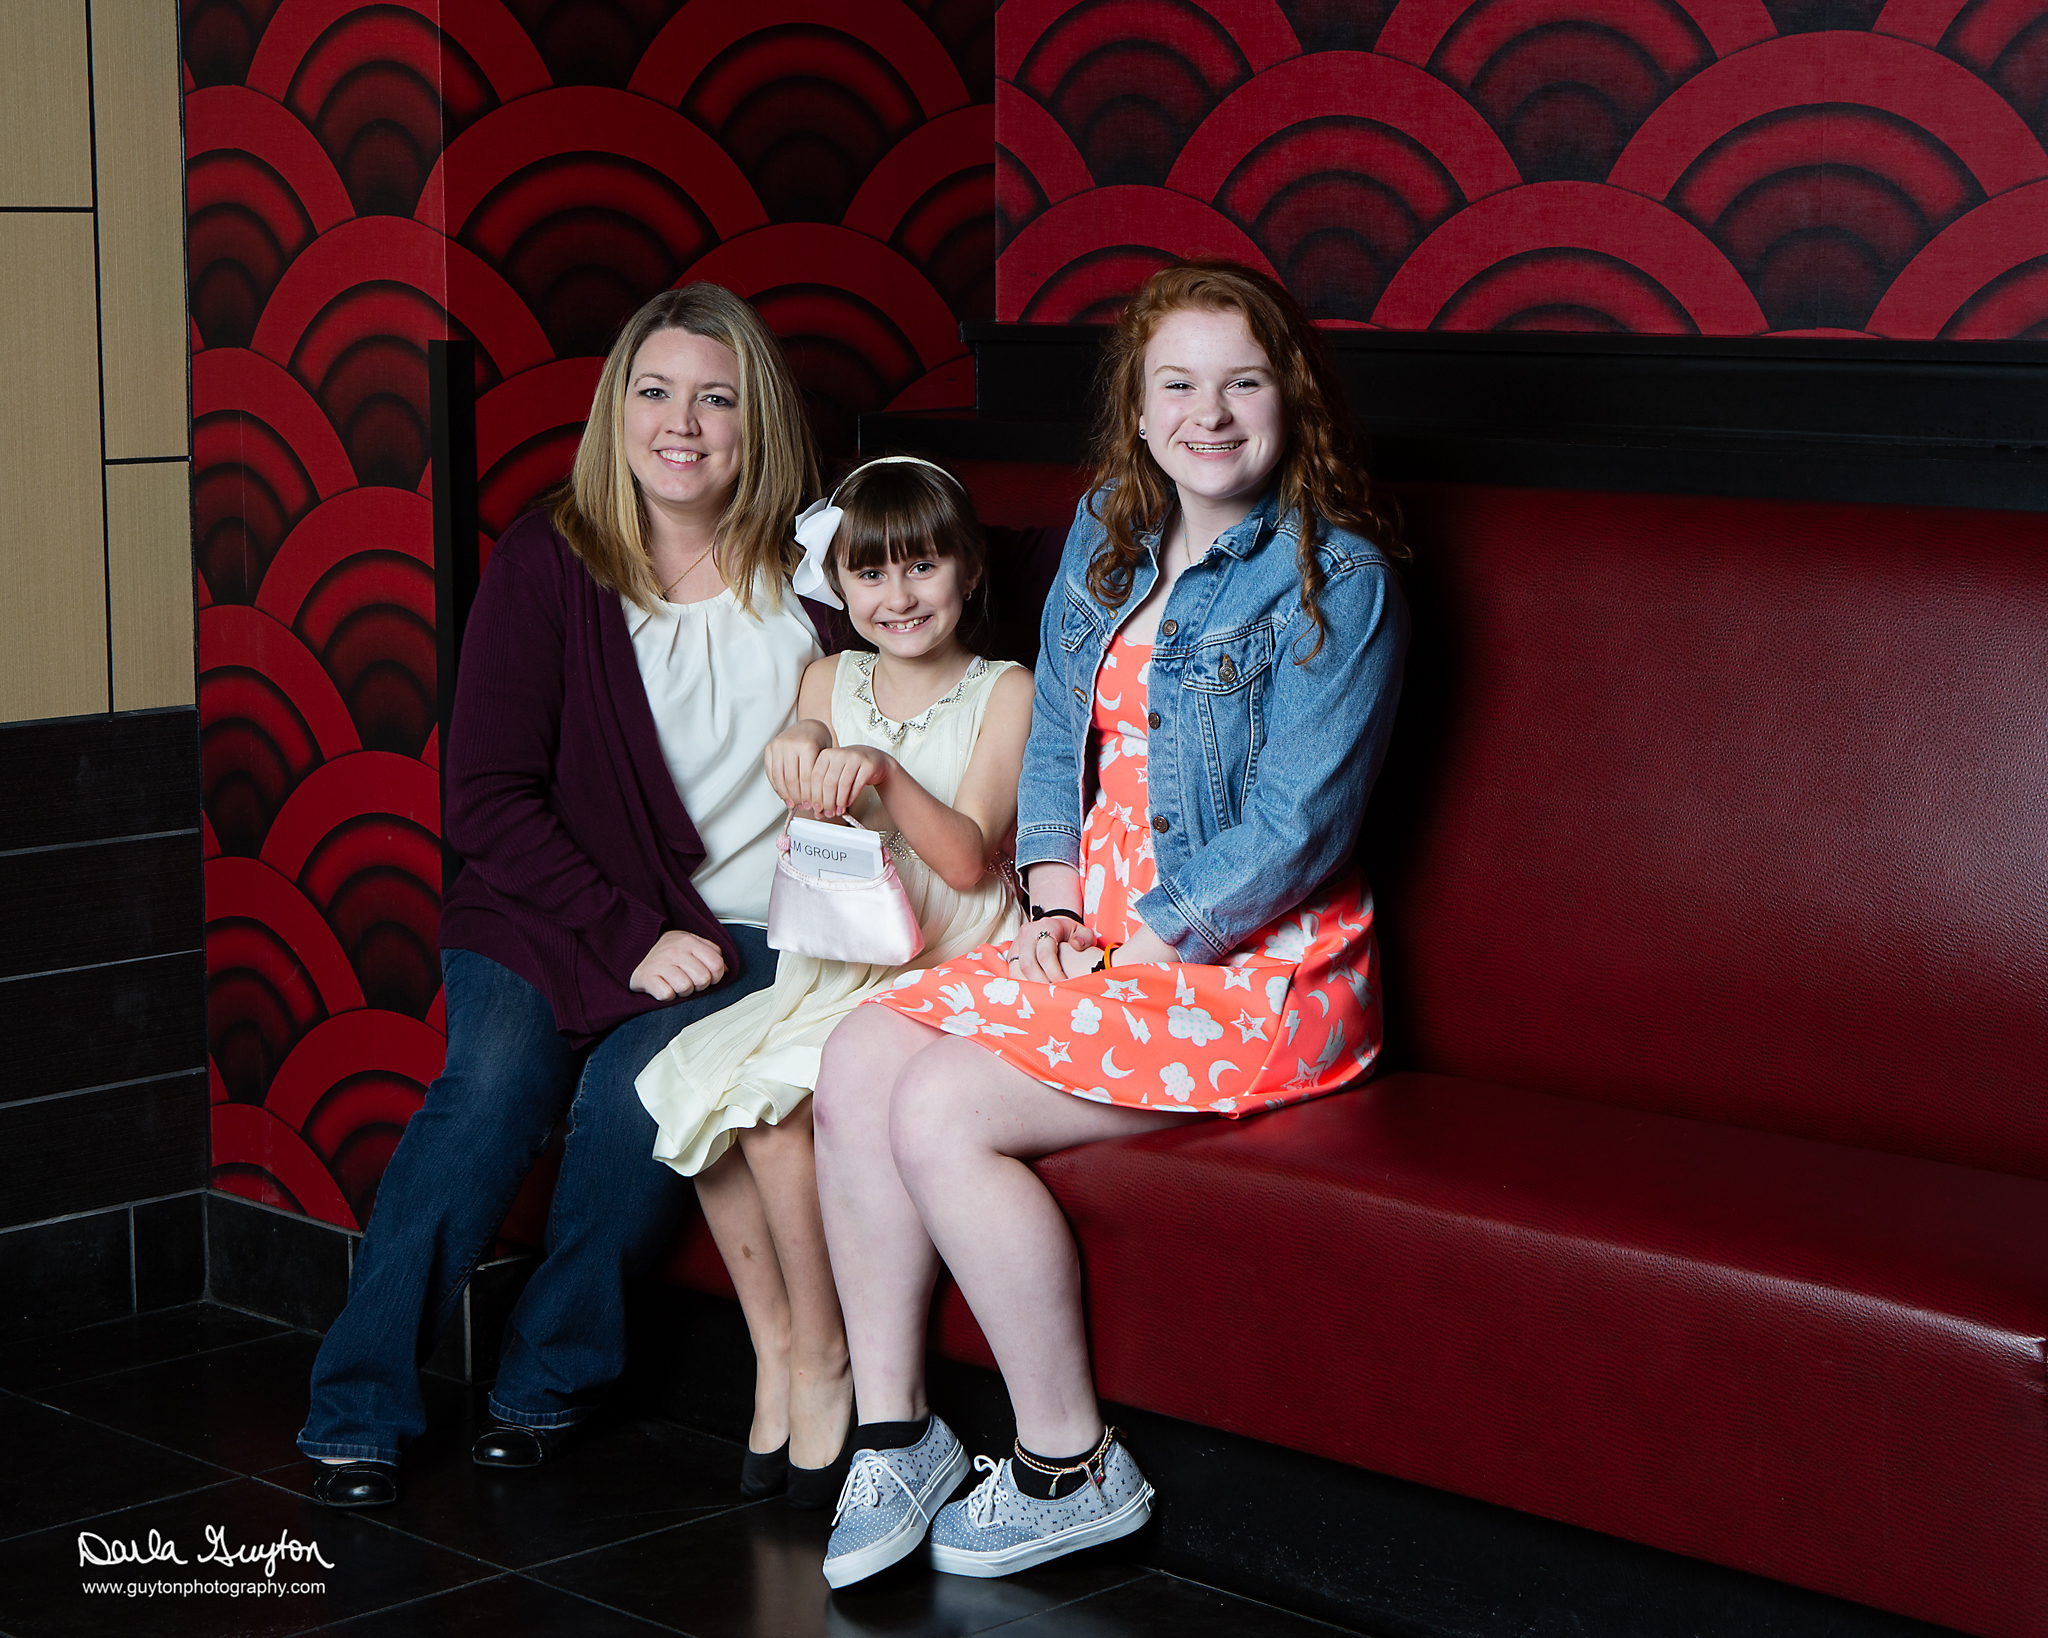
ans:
x=1224 y=682
x=1077 y=620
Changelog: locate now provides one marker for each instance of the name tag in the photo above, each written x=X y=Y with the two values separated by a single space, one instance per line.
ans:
x=834 y=853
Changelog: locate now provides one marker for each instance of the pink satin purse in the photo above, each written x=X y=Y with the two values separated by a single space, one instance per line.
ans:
x=869 y=923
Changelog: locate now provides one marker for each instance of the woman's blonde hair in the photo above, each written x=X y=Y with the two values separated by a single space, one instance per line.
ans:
x=599 y=511
x=1321 y=474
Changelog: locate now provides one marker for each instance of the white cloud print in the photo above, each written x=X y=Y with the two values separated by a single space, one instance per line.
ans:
x=1192 y=1024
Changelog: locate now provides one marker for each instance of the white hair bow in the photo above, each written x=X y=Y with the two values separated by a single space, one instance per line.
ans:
x=818 y=523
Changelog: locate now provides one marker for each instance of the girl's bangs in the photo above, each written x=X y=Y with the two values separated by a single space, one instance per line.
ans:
x=915 y=526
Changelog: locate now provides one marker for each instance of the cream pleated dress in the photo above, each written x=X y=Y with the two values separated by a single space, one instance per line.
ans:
x=751 y=1063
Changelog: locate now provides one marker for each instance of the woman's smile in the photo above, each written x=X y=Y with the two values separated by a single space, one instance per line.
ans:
x=682 y=423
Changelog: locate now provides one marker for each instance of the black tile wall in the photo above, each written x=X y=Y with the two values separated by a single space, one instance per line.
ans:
x=275 y=1263
x=79 y=779
x=95 y=1026
x=85 y=1150
x=99 y=902
x=54 y=1276
x=170 y=1252
x=103 y=1095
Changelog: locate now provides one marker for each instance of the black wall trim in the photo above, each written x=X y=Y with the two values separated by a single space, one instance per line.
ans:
x=81 y=906
x=276 y=1263
x=296 y=1269
x=1929 y=423
x=85 y=1150
x=77 y=779
x=94 y=1266
x=103 y=1096
x=96 y=1026
x=451 y=389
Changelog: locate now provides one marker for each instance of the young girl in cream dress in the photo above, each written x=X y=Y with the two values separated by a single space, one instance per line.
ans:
x=922 y=741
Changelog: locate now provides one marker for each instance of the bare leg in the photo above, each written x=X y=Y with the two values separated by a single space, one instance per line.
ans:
x=782 y=1160
x=738 y=1221
x=882 y=1259
x=962 y=1125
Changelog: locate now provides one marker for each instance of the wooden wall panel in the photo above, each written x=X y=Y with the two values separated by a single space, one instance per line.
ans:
x=149 y=583
x=53 y=592
x=45 y=111
x=142 y=229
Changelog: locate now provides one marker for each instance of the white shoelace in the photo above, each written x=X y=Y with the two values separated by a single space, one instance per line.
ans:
x=862 y=1491
x=981 y=1503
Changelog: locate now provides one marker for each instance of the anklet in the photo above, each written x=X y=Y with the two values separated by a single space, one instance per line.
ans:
x=1091 y=1464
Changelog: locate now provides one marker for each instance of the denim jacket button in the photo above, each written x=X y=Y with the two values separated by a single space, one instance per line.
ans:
x=1151 y=719
x=1081 y=694
x=1227 y=671
x=1159 y=823
x=1168 y=627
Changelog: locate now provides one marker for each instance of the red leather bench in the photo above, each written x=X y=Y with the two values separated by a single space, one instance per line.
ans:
x=1705 y=1199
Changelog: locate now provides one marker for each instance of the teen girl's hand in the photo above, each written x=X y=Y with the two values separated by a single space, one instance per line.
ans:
x=679 y=965
x=1035 y=951
x=790 y=757
x=1145 y=945
x=837 y=776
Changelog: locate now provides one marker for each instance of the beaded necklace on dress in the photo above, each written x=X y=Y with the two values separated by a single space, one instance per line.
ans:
x=894 y=731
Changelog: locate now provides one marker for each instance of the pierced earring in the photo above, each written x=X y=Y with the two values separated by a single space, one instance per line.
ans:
x=1141 y=429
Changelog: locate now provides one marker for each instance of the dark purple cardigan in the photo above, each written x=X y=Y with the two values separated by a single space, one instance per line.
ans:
x=577 y=851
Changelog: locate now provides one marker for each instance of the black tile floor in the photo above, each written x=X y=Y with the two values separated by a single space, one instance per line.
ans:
x=177 y=1427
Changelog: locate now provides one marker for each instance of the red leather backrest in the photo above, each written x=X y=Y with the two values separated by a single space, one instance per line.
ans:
x=1724 y=808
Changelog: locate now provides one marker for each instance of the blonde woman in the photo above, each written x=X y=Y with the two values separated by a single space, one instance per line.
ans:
x=633 y=648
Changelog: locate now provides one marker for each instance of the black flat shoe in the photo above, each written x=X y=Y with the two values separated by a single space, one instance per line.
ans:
x=508 y=1446
x=814 y=1488
x=357 y=1484
x=763 y=1473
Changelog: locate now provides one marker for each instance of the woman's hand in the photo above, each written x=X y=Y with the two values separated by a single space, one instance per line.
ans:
x=1145 y=945
x=1035 y=951
x=679 y=965
x=840 y=775
x=790 y=757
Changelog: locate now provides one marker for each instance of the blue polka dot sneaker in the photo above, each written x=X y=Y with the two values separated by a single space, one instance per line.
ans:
x=999 y=1530
x=887 y=1502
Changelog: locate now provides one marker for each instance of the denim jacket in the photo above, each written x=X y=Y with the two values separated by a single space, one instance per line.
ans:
x=1258 y=768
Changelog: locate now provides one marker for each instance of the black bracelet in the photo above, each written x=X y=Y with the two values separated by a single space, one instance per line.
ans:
x=1041 y=912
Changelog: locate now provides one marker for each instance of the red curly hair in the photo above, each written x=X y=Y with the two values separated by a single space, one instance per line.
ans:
x=1321 y=474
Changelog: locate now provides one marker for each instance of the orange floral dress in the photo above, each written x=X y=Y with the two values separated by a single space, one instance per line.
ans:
x=1293 y=1013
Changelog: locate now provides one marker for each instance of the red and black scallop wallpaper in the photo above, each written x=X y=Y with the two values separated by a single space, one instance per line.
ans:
x=364 y=179
x=1708 y=167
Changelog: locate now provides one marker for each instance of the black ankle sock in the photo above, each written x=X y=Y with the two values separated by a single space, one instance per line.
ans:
x=1049 y=1486
x=890 y=1435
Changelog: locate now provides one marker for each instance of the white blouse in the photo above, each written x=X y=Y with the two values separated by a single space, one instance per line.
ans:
x=723 y=683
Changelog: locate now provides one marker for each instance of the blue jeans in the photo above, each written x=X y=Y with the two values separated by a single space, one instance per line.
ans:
x=456 y=1171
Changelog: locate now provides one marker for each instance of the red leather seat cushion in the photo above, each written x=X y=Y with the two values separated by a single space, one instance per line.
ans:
x=1817 y=1363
